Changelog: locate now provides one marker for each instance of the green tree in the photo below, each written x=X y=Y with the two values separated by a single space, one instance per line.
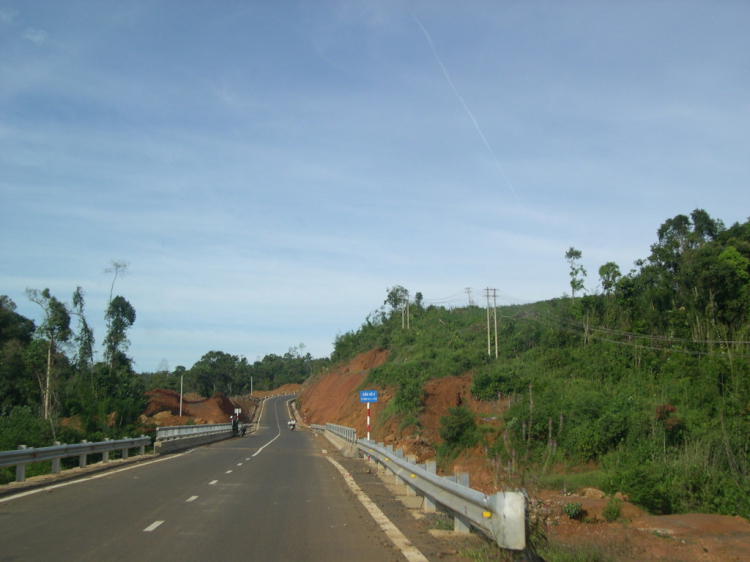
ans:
x=16 y=332
x=120 y=317
x=55 y=329
x=84 y=337
x=577 y=271
x=397 y=297
x=609 y=274
x=118 y=268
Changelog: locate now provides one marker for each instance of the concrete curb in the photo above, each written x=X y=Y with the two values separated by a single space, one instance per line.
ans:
x=347 y=449
x=176 y=445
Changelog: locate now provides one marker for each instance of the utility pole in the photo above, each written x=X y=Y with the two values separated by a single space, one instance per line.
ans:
x=487 y=294
x=494 y=313
x=468 y=292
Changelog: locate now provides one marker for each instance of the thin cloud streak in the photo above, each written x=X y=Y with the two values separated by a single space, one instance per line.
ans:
x=466 y=107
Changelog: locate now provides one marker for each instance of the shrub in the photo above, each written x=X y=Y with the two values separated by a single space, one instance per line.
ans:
x=613 y=510
x=573 y=509
x=458 y=428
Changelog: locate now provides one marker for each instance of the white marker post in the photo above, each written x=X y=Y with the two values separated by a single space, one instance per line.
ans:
x=368 y=396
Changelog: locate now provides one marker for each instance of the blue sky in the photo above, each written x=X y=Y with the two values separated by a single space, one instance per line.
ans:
x=269 y=169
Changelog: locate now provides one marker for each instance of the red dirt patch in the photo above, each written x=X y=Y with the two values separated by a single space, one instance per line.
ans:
x=163 y=408
x=281 y=391
x=333 y=397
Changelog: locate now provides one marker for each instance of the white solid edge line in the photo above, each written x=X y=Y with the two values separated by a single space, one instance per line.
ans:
x=266 y=445
x=410 y=551
x=153 y=526
x=93 y=477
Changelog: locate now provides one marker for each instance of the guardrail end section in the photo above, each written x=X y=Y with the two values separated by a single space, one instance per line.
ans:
x=509 y=520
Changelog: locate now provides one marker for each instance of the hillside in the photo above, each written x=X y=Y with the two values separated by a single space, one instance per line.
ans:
x=334 y=398
x=638 y=385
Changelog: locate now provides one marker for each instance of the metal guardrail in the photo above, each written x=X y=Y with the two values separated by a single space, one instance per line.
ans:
x=501 y=516
x=177 y=431
x=346 y=433
x=24 y=456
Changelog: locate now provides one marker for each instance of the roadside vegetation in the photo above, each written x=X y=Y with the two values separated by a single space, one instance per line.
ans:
x=57 y=384
x=644 y=379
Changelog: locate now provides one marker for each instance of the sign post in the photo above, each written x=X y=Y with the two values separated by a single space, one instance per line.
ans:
x=368 y=396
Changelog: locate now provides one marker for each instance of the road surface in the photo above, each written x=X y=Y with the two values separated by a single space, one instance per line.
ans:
x=272 y=495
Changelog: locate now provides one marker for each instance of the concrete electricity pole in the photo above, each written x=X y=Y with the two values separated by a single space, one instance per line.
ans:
x=487 y=294
x=494 y=313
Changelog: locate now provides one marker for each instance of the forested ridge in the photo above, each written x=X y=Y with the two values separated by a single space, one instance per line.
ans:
x=642 y=377
x=57 y=384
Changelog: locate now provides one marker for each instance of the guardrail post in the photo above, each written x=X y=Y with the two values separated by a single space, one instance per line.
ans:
x=410 y=491
x=142 y=450
x=461 y=523
x=82 y=457
x=105 y=454
x=429 y=505
x=21 y=468
x=56 y=462
x=125 y=452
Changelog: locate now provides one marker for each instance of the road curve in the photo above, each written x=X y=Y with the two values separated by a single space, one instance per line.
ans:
x=268 y=496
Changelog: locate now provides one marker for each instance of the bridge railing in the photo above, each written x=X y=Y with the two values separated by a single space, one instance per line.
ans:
x=178 y=431
x=346 y=433
x=24 y=455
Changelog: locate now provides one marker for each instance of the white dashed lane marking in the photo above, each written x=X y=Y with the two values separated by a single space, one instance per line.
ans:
x=191 y=499
x=212 y=482
x=153 y=526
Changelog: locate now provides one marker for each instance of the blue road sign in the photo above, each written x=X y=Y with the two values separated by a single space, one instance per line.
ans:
x=368 y=395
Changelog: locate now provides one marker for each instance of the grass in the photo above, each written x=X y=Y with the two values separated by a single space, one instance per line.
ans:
x=573 y=481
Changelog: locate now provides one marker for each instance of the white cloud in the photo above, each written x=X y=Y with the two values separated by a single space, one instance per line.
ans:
x=36 y=36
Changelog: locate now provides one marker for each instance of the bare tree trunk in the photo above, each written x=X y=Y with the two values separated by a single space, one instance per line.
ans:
x=48 y=384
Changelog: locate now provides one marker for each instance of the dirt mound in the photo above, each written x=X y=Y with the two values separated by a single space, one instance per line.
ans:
x=163 y=408
x=334 y=398
x=282 y=390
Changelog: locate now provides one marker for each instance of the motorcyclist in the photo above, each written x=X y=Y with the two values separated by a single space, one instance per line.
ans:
x=292 y=424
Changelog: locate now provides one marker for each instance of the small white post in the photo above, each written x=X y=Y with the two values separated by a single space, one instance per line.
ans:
x=56 y=462
x=21 y=468
x=461 y=523
x=82 y=457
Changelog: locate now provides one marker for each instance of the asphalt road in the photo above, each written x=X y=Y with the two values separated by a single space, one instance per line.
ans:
x=268 y=496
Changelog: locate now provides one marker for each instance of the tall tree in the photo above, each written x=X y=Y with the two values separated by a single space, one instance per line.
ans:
x=55 y=328
x=609 y=274
x=85 y=335
x=117 y=267
x=577 y=271
x=120 y=317
x=16 y=332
